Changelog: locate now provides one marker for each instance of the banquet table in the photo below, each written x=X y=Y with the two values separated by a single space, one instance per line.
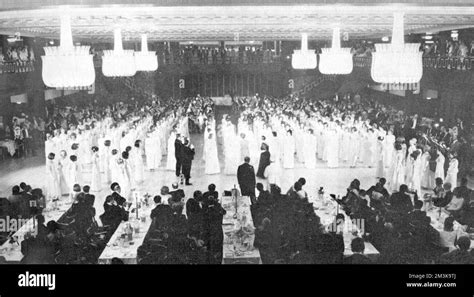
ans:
x=326 y=209
x=12 y=251
x=9 y=145
x=119 y=246
x=437 y=221
x=238 y=249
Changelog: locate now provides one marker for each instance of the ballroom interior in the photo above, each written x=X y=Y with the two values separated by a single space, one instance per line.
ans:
x=356 y=116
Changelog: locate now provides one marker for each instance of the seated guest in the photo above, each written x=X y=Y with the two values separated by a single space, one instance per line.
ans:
x=165 y=194
x=115 y=187
x=463 y=191
x=178 y=220
x=195 y=215
x=162 y=213
x=113 y=214
x=16 y=202
x=378 y=194
x=358 y=257
x=302 y=193
x=211 y=192
x=460 y=255
x=455 y=205
x=76 y=190
x=439 y=189
x=417 y=216
x=448 y=235
x=264 y=196
x=177 y=195
x=401 y=201
x=293 y=192
x=41 y=229
x=214 y=236
x=264 y=241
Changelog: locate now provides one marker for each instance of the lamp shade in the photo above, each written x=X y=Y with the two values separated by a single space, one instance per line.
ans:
x=335 y=60
x=118 y=62
x=304 y=58
x=145 y=60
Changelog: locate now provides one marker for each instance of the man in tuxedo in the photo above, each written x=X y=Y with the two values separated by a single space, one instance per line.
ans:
x=161 y=213
x=401 y=201
x=115 y=187
x=264 y=160
x=358 y=257
x=178 y=153
x=187 y=159
x=246 y=178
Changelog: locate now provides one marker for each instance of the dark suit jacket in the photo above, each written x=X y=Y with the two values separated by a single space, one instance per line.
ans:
x=401 y=202
x=187 y=155
x=263 y=163
x=178 y=149
x=246 y=176
x=118 y=198
x=357 y=259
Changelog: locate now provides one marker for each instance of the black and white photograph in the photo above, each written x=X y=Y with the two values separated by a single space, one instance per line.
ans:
x=209 y=132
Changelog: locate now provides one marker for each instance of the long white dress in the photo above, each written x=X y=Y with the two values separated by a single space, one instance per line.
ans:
x=124 y=179
x=107 y=158
x=333 y=149
x=415 y=183
x=380 y=159
x=171 y=159
x=54 y=187
x=114 y=168
x=452 y=174
x=138 y=166
x=398 y=173
x=231 y=151
x=289 y=152
x=63 y=176
x=389 y=143
x=210 y=154
x=153 y=152
x=96 y=181
x=440 y=166
x=310 y=151
x=425 y=171
x=75 y=174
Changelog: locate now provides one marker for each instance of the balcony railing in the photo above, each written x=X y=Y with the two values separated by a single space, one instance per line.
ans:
x=17 y=66
x=450 y=63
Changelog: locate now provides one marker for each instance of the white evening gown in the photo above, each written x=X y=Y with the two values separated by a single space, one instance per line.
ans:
x=96 y=181
x=170 y=158
x=210 y=155
x=54 y=187
x=289 y=153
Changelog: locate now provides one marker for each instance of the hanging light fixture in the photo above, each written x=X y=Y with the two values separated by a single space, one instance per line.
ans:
x=304 y=58
x=335 y=60
x=67 y=66
x=145 y=60
x=118 y=62
x=397 y=65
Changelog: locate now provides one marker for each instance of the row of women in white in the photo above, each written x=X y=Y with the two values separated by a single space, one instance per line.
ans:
x=335 y=141
x=110 y=153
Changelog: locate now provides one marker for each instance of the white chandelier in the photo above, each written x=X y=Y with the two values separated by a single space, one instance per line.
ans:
x=304 y=58
x=67 y=66
x=335 y=60
x=118 y=62
x=145 y=60
x=398 y=65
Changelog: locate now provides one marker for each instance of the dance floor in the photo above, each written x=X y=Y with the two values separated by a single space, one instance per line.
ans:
x=334 y=180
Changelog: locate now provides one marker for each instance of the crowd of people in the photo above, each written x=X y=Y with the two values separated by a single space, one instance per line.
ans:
x=219 y=55
x=273 y=134
x=19 y=56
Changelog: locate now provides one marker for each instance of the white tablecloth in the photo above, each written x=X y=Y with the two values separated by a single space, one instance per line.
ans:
x=327 y=210
x=437 y=221
x=12 y=252
x=236 y=251
x=120 y=247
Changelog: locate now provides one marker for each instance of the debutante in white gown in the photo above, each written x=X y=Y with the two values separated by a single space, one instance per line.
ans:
x=415 y=183
x=440 y=166
x=425 y=171
x=380 y=156
x=310 y=151
x=153 y=152
x=75 y=174
x=54 y=187
x=63 y=176
x=289 y=152
x=389 y=147
x=210 y=153
x=96 y=181
x=452 y=174
x=138 y=166
x=124 y=179
x=333 y=149
x=170 y=158
x=398 y=172
x=231 y=151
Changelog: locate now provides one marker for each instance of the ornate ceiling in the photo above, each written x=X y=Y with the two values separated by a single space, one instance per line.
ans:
x=210 y=23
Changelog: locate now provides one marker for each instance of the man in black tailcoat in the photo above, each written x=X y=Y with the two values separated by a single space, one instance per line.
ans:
x=178 y=153
x=187 y=159
x=246 y=178
x=264 y=160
